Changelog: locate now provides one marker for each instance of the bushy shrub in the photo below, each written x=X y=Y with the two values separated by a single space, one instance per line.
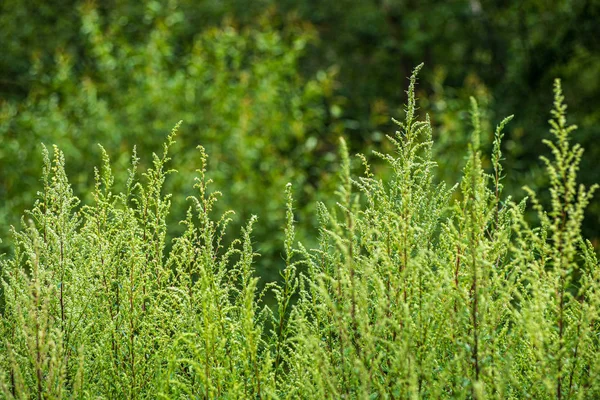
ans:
x=429 y=292
x=415 y=290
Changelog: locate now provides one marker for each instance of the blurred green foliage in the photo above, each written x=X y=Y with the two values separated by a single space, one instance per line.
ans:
x=504 y=53
x=238 y=91
x=267 y=86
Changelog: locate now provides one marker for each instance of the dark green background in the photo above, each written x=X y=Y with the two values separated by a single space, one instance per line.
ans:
x=268 y=87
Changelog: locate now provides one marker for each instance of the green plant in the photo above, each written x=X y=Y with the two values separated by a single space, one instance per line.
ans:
x=415 y=290
x=422 y=294
x=94 y=306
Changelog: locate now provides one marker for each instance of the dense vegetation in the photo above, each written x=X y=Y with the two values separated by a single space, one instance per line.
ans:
x=267 y=87
x=413 y=289
x=427 y=275
x=239 y=93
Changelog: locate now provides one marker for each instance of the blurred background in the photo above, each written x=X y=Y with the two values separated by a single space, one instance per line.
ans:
x=269 y=86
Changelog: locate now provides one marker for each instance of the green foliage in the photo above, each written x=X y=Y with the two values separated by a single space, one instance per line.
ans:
x=237 y=89
x=414 y=290
x=503 y=53
x=255 y=83
x=95 y=306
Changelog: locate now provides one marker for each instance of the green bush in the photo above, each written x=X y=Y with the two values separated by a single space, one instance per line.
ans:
x=415 y=290
x=238 y=90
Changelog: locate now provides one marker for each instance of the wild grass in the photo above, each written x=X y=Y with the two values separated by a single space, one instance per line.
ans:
x=415 y=290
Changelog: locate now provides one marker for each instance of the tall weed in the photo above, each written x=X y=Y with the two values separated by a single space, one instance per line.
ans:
x=415 y=290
